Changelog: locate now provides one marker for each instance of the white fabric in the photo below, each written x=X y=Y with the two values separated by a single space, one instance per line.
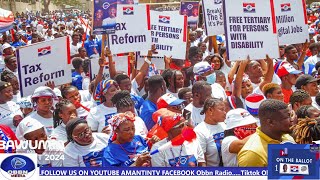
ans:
x=205 y=133
x=196 y=117
x=99 y=115
x=218 y=91
x=229 y=159
x=7 y=111
x=311 y=60
x=59 y=133
x=74 y=153
x=54 y=149
x=140 y=126
x=46 y=122
x=135 y=89
x=74 y=49
x=314 y=103
x=82 y=113
x=162 y=159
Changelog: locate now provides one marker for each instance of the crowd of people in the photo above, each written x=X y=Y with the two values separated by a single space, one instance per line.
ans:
x=235 y=108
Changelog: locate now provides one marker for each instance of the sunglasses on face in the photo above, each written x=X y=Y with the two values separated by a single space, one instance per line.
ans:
x=181 y=125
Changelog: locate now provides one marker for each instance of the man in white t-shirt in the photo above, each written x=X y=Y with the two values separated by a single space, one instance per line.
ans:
x=201 y=90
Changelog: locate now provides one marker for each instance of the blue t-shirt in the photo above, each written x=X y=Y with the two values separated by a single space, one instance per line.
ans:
x=138 y=101
x=124 y=154
x=18 y=44
x=91 y=47
x=146 y=111
x=77 y=80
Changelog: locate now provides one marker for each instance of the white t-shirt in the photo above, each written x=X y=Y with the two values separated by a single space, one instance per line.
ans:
x=140 y=126
x=74 y=49
x=309 y=64
x=99 y=116
x=53 y=149
x=7 y=111
x=59 y=133
x=196 y=117
x=86 y=96
x=229 y=159
x=46 y=122
x=218 y=91
x=190 y=154
x=210 y=138
x=109 y=21
x=82 y=113
x=135 y=89
x=76 y=155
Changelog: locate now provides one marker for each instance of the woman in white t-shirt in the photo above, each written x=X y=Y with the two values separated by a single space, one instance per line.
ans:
x=99 y=115
x=32 y=130
x=42 y=98
x=176 y=82
x=85 y=148
x=72 y=94
x=63 y=112
x=8 y=108
x=210 y=132
x=240 y=126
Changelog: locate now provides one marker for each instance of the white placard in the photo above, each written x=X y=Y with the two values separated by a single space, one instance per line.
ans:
x=213 y=17
x=292 y=22
x=169 y=33
x=132 y=30
x=43 y=62
x=250 y=29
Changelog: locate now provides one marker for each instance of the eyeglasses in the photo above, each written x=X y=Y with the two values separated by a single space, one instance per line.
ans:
x=181 y=125
x=179 y=106
x=82 y=134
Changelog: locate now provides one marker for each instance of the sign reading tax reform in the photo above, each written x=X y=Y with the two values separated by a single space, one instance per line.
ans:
x=250 y=27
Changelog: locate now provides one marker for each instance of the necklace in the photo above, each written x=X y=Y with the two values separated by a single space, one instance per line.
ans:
x=177 y=163
x=124 y=150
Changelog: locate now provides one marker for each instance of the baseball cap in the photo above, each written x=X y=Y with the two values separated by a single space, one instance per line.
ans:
x=28 y=125
x=202 y=67
x=43 y=91
x=25 y=102
x=305 y=79
x=166 y=118
x=168 y=100
x=5 y=46
x=312 y=31
x=253 y=102
x=238 y=117
x=285 y=68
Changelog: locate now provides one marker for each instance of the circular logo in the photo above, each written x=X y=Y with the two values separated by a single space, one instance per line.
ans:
x=105 y=5
x=17 y=166
x=249 y=7
x=304 y=168
x=190 y=6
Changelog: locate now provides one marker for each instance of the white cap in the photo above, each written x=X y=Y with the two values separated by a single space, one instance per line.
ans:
x=57 y=92
x=201 y=67
x=25 y=102
x=239 y=117
x=43 y=91
x=5 y=46
x=26 y=126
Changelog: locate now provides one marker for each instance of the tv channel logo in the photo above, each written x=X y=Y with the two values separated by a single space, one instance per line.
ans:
x=18 y=166
x=249 y=7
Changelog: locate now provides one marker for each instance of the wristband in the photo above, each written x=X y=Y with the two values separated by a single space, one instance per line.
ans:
x=147 y=61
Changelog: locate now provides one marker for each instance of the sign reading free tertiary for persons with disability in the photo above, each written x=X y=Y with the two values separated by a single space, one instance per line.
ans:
x=43 y=62
x=250 y=28
x=292 y=22
x=169 y=33
x=132 y=29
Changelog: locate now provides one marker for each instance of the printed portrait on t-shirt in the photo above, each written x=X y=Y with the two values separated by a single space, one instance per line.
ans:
x=93 y=159
x=183 y=161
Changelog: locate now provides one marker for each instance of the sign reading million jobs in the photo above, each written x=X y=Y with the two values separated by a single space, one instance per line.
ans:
x=250 y=27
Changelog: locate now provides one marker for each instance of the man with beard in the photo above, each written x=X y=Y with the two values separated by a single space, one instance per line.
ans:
x=275 y=122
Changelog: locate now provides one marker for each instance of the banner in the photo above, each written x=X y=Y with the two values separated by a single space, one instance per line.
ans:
x=190 y=9
x=104 y=16
x=121 y=63
x=213 y=17
x=6 y=20
x=169 y=33
x=292 y=21
x=132 y=30
x=289 y=161
x=43 y=62
x=250 y=29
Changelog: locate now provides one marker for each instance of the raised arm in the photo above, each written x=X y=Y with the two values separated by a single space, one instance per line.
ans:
x=303 y=54
x=268 y=76
x=238 y=81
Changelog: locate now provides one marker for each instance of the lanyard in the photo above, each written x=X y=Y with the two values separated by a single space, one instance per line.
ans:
x=177 y=163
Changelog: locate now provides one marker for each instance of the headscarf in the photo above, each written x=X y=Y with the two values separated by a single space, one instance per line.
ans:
x=119 y=118
x=102 y=88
